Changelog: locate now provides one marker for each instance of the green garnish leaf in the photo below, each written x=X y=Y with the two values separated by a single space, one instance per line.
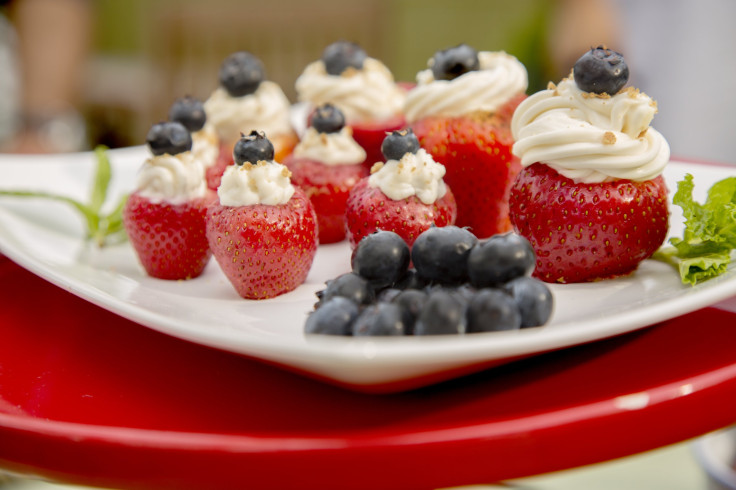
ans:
x=704 y=251
x=101 y=228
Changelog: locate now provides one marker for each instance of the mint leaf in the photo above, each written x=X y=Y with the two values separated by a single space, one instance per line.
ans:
x=101 y=228
x=704 y=251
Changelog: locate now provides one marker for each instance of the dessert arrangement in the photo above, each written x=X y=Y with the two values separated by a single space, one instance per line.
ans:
x=469 y=198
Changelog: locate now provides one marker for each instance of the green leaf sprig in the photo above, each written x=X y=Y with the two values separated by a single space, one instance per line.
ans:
x=704 y=251
x=102 y=228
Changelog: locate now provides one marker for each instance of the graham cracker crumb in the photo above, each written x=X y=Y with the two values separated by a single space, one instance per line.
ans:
x=376 y=167
x=609 y=138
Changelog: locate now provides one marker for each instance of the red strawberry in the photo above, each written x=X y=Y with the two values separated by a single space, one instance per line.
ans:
x=476 y=151
x=370 y=134
x=585 y=232
x=264 y=250
x=169 y=239
x=327 y=186
x=369 y=209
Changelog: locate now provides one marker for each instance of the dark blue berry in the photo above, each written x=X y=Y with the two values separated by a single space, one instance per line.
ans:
x=334 y=317
x=168 y=137
x=450 y=63
x=241 y=74
x=500 y=259
x=252 y=149
x=411 y=302
x=492 y=310
x=348 y=285
x=443 y=314
x=382 y=258
x=534 y=299
x=342 y=55
x=189 y=111
x=328 y=119
x=440 y=254
x=601 y=70
x=398 y=143
x=411 y=280
x=379 y=319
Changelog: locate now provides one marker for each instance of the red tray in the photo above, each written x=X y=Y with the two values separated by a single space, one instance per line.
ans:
x=88 y=397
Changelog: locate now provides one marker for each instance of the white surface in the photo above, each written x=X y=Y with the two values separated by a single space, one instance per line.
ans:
x=47 y=238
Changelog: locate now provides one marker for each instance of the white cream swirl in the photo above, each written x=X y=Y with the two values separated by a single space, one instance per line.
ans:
x=416 y=174
x=590 y=138
x=175 y=179
x=337 y=148
x=362 y=95
x=267 y=110
x=500 y=77
x=206 y=145
x=263 y=183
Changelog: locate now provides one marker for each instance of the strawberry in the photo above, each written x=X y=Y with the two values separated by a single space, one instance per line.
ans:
x=476 y=151
x=264 y=250
x=169 y=238
x=327 y=187
x=369 y=209
x=585 y=232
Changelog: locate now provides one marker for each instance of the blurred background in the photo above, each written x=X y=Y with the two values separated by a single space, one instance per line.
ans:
x=77 y=73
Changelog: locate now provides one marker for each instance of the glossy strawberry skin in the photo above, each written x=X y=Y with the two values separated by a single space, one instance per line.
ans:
x=264 y=250
x=586 y=232
x=476 y=151
x=369 y=209
x=169 y=239
x=327 y=187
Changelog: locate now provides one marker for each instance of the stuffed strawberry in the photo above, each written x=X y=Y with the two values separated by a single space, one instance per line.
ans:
x=591 y=198
x=406 y=194
x=247 y=101
x=460 y=111
x=363 y=88
x=165 y=217
x=263 y=230
x=326 y=164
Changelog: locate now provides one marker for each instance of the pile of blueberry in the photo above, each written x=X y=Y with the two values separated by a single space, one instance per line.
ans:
x=457 y=285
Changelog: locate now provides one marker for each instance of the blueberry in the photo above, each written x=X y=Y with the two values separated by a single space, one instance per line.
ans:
x=189 y=111
x=387 y=295
x=411 y=280
x=328 y=119
x=534 y=299
x=443 y=314
x=411 y=302
x=335 y=317
x=384 y=319
x=348 y=285
x=450 y=63
x=342 y=55
x=382 y=258
x=500 y=259
x=601 y=70
x=398 y=143
x=241 y=74
x=492 y=310
x=168 y=137
x=440 y=254
x=253 y=148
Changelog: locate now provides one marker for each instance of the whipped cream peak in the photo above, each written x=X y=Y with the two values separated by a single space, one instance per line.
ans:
x=175 y=179
x=588 y=137
x=337 y=148
x=362 y=95
x=501 y=77
x=267 y=110
x=415 y=174
x=263 y=183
